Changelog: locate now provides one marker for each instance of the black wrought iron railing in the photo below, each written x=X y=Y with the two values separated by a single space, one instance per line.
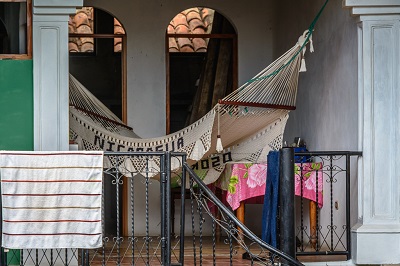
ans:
x=136 y=215
x=323 y=226
x=238 y=236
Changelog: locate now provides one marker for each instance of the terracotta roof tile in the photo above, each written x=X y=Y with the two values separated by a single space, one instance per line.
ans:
x=84 y=29
x=198 y=31
x=117 y=45
x=182 y=29
x=86 y=40
x=81 y=19
x=208 y=17
x=170 y=28
x=195 y=21
x=186 y=11
x=182 y=42
x=118 y=29
x=199 y=44
x=186 y=49
x=206 y=12
x=173 y=46
x=87 y=47
x=196 y=24
x=117 y=41
x=193 y=14
x=71 y=28
x=82 y=22
x=179 y=19
x=73 y=47
x=201 y=50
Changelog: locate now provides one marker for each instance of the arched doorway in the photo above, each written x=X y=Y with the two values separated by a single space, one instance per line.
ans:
x=97 y=59
x=201 y=52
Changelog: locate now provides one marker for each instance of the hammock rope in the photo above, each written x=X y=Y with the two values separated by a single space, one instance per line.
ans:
x=279 y=92
x=249 y=131
x=249 y=134
x=304 y=43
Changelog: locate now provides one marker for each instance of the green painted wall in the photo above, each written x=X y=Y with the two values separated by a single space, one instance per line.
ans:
x=16 y=105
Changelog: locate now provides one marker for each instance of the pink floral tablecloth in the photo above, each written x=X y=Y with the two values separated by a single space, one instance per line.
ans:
x=246 y=180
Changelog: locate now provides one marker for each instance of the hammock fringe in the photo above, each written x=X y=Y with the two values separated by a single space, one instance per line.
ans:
x=251 y=119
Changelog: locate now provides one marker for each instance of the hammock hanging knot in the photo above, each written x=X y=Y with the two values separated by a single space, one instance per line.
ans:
x=219 y=147
x=311 y=45
x=302 y=42
x=303 y=65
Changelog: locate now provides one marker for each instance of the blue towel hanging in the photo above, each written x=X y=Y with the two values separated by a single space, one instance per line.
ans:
x=271 y=197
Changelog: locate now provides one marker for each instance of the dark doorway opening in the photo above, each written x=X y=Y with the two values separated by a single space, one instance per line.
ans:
x=201 y=64
x=185 y=71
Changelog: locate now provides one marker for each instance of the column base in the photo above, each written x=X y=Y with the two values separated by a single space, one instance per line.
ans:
x=375 y=244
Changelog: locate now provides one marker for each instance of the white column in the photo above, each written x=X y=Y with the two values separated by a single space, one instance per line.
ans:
x=376 y=238
x=50 y=72
x=50 y=75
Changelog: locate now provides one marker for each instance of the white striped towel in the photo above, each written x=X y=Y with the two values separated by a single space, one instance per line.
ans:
x=51 y=199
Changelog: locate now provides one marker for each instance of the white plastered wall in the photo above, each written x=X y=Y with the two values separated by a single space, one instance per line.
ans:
x=145 y=23
x=327 y=102
x=326 y=115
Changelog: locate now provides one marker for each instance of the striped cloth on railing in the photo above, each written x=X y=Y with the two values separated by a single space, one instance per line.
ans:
x=51 y=199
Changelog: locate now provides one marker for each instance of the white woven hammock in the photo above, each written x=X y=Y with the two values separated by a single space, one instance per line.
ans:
x=250 y=122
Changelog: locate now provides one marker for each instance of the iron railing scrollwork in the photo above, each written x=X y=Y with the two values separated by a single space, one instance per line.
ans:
x=146 y=219
x=330 y=234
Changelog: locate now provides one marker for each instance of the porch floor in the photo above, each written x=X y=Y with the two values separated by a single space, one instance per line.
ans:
x=153 y=256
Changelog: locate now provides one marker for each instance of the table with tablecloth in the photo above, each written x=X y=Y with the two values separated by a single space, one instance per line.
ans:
x=245 y=182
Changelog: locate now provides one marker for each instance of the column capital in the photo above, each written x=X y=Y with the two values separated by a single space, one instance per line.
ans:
x=55 y=7
x=372 y=7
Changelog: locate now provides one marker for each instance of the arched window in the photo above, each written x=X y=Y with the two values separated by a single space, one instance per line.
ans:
x=83 y=23
x=201 y=64
x=97 y=49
